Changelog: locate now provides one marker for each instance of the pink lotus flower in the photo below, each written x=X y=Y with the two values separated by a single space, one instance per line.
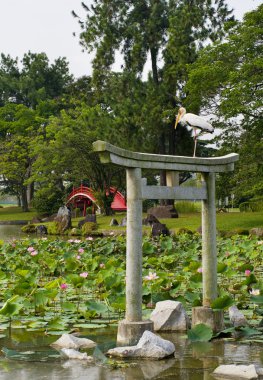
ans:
x=78 y=257
x=247 y=272
x=200 y=270
x=84 y=274
x=63 y=286
x=34 y=253
x=81 y=250
x=151 y=276
x=30 y=249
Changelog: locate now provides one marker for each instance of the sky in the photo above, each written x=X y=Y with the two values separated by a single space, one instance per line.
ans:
x=48 y=26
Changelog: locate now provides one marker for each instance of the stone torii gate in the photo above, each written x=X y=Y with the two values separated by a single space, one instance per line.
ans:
x=132 y=327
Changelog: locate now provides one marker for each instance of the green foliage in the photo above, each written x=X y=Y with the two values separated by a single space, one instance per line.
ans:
x=29 y=228
x=187 y=207
x=87 y=277
x=88 y=228
x=222 y=303
x=200 y=333
x=226 y=80
x=47 y=200
x=253 y=205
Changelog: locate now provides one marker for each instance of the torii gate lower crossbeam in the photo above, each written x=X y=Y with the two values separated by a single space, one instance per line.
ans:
x=132 y=327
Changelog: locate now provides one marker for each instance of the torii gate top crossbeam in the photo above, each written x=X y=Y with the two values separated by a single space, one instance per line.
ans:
x=110 y=153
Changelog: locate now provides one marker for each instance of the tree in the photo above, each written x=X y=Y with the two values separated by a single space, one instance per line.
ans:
x=27 y=100
x=150 y=28
x=17 y=124
x=227 y=81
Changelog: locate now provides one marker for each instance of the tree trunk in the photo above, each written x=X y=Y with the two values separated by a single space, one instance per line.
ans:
x=24 y=202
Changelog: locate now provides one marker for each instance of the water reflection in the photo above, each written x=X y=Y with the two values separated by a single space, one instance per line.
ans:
x=9 y=232
x=191 y=361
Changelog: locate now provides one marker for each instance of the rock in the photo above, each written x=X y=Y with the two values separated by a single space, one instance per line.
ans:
x=163 y=212
x=36 y=220
x=63 y=219
x=41 y=229
x=236 y=317
x=150 y=220
x=88 y=218
x=149 y=346
x=237 y=372
x=256 y=231
x=123 y=222
x=71 y=341
x=70 y=353
x=259 y=371
x=159 y=229
x=170 y=316
x=113 y=222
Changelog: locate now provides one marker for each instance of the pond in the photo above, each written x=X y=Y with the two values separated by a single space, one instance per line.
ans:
x=9 y=232
x=191 y=361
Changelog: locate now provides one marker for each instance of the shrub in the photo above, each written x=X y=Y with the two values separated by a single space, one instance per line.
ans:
x=187 y=207
x=184 y=230
x=88 y=228
x=48 y=200
x=75 y=232
x=29 y=229
x=253 y=205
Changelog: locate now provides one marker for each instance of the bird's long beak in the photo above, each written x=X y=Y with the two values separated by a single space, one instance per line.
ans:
x=176 y=121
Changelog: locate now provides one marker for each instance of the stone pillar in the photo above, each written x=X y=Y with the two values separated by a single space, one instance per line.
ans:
x=209 y=250
x=172 y=178
x=131 y=329
x=205 y=314
x=134 y=246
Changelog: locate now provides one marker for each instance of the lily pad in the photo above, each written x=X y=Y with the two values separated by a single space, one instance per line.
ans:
x=200 y=333
x=90 y=325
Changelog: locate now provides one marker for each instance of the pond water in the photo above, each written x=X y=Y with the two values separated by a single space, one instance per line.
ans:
x=191 y=361
x=9 y=232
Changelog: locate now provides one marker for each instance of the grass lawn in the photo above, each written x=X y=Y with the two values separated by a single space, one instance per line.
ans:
x=16 y=213
x=225 y=221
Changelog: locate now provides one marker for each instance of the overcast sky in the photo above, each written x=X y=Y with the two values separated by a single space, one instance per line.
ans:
x=48 y=26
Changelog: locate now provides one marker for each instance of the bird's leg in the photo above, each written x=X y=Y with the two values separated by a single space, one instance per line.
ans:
x=195 y=140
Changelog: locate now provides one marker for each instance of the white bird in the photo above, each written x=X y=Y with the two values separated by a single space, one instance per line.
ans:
x=195 y=122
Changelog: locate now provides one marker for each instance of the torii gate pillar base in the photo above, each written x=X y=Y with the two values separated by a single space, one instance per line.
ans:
x=209 y=317
x=129 y=333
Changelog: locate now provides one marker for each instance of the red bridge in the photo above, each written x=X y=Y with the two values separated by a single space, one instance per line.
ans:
x=83 y=197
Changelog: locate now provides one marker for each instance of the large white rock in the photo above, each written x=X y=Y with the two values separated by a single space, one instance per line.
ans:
x=149 y=346
x=236 y=317
x=237 y=372
x=70 y=353
x=170 y=316
x=71 y=341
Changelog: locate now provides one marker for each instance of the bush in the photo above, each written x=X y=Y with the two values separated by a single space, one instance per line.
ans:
x=29 y=229
x=187 y=207
x=184 y=230
x=48 y=200
x=88 y=228
x=253 y=205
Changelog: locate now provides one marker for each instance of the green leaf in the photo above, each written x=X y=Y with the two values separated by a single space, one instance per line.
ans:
x=248 y=331
x=222 y=303
x=90 y=325
x=257 y=299
x=99 y=307
x=221 y=267
x=68 y=306
x=11 y=307
x=200 y=333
